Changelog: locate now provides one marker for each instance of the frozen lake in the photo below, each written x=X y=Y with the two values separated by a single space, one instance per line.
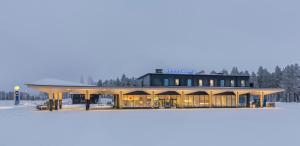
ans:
x=24 y=126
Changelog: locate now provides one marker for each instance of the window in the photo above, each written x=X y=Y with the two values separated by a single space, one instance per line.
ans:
x=200 y=83
x=189 y=82
x=177 y=83
x=232 y=84
x=243 y=83
x=222 y=83
x=211 y=83
x=166 y=82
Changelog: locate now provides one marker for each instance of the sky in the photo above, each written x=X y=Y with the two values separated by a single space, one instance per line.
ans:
x=66 y=39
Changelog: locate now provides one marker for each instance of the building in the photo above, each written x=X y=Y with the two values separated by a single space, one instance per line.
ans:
x=160 y=78
x=167 y=90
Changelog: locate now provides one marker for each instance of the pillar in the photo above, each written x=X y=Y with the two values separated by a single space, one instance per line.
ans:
x=50 y=96
x=60 y=97
x=87 y=100
x=181 y=99
x=237 y=99
x=120 y=98
x=55 y=101
x=261 y=99
x=116 y=101
x=210 y=94
x=248 y=99
x=152 y=99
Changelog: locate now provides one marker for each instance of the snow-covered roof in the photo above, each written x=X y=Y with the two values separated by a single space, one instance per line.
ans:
x=56 y=82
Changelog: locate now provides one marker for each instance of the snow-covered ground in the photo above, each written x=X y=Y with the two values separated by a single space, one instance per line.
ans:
x=24 y=126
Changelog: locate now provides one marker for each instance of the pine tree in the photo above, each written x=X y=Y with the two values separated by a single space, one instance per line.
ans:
x=225 y=72
x=234 y=71
x=81 y=79
x=99 y=83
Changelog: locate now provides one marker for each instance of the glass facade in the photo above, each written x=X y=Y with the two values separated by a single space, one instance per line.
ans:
x=166 y=101
x=200 y=83
x=211 y=83
x=224 y=101
x=166 y=82
x=196 y=101
x=189 y=82
x=177 y=82
x=137 y=101
x=188 y=101
x=232 y=83
x=243 y=83
x=222 y=83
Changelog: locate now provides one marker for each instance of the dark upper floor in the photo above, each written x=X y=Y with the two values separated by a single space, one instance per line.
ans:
x=201 y=80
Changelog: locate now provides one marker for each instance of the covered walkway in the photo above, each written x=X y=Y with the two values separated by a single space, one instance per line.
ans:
x=152 y=97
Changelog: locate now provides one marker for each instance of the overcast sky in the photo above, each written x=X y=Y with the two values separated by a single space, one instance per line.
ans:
x=65 y=39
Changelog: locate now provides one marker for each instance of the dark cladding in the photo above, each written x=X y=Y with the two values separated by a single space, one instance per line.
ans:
x=202 y=80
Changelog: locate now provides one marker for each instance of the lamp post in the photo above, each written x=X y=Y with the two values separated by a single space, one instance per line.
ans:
x=17 y=95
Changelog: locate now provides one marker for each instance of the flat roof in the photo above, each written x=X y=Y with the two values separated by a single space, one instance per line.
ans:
x=193 y=75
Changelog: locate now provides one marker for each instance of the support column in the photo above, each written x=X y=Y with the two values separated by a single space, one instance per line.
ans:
x=261 y=99
x=116 y=101
x=87 y=100
x=152 y=99
x=181 y=100
x=237 y=99
x=60 y=97
x=248 y=100
x=55 y=101
x=210 y=94
x=50 y=95
x=120 y=99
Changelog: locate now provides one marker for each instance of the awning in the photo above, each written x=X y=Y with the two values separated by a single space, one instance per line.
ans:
x=168 y=93
x=226 y=93
x=198 y=93
x=137 y=93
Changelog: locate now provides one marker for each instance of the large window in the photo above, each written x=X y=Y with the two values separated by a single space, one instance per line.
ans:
x=166 y=82
x=196 y=101
x=200 y=83
x=211 y=83
x=222 y=83
x=130 y=101
x=232 y=83
x=243 y=83
x=224 y=101
x=189 y=82
x=177 y=82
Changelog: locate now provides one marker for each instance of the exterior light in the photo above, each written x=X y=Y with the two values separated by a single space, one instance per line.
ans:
x=17 y=88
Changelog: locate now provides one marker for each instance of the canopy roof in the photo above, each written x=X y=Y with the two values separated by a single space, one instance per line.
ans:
x=169 y=93
x=226 y=93
x=56 y=82
x=137 y=93
x=198 y=93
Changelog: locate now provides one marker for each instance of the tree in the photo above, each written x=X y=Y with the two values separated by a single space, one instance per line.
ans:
x=234 y=71
x=277 y=77
x=90 y=81
x=201 y=72
x=99 y=83
x=264 y=78
x=81 y=79
x=253 y=79
x=290 y=82
x=213 y=72
x=224 y=72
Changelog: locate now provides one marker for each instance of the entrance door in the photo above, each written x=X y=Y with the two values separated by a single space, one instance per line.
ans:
x=173 y=103
x=161 y=103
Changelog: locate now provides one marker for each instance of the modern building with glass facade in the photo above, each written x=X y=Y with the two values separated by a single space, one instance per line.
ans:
x=167 y=90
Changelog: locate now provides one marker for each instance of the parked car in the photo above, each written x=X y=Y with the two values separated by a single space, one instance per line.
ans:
x=44 y=106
